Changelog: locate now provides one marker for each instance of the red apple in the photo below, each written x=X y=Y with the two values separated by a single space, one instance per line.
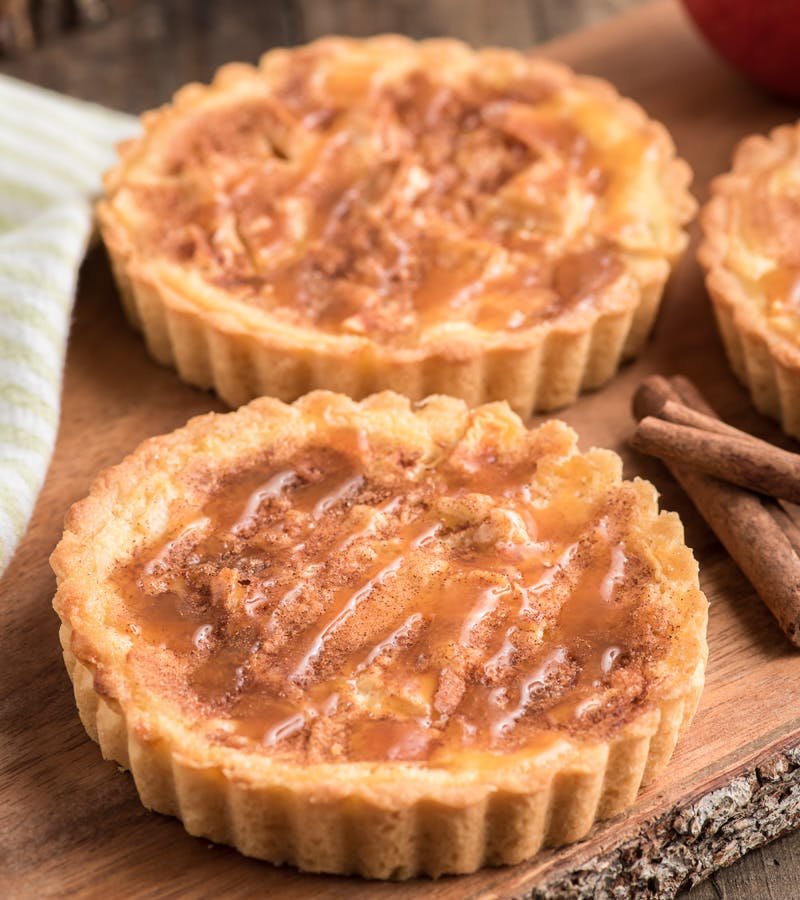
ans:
x=760 y=37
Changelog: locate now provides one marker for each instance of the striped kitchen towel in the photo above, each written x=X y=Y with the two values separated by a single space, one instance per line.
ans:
x=52 y=153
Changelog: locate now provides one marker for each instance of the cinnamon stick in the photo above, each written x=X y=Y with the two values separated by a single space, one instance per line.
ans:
x=785 y=521
x=749 y=528
x=730 y=455
x=679 y=401
x=678 y=412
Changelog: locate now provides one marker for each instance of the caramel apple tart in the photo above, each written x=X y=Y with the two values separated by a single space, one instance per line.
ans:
x=751 y=254
x=368 y=214
x=380 y=638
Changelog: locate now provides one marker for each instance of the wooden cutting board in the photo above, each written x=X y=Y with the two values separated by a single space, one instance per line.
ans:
x=71 y=824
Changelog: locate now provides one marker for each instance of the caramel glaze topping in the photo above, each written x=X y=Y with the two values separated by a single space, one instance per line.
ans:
x=360 y=202
x=333 y=611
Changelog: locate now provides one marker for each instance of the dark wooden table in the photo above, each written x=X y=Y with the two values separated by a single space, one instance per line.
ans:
x=137 y=60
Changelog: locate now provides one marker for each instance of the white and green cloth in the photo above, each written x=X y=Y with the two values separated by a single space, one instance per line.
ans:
x=52 y=152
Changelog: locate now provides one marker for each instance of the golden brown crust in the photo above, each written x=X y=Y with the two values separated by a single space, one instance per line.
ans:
x=268 y=301
x=749 y=254
x=379 y=819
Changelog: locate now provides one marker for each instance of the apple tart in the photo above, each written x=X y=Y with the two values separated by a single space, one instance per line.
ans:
x=380 y=638
x=751 y=254
x=360 y=215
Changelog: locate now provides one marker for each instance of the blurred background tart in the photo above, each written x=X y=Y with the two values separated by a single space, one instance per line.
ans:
x=383 y=213
x=751 y=254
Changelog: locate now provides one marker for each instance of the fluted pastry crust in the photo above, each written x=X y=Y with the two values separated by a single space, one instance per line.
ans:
x=368 y=214
x=750 y=254
x=499 y=780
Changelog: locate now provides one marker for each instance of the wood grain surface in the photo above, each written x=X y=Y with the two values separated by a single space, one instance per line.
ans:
x=71 y=825
x=27 y=23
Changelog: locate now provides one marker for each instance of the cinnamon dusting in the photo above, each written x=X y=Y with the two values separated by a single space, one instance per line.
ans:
x=332 y=607
x=368 y=200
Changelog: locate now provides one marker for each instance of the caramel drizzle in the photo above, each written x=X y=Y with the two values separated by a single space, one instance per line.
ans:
x=447 y=205
x=450 y=655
